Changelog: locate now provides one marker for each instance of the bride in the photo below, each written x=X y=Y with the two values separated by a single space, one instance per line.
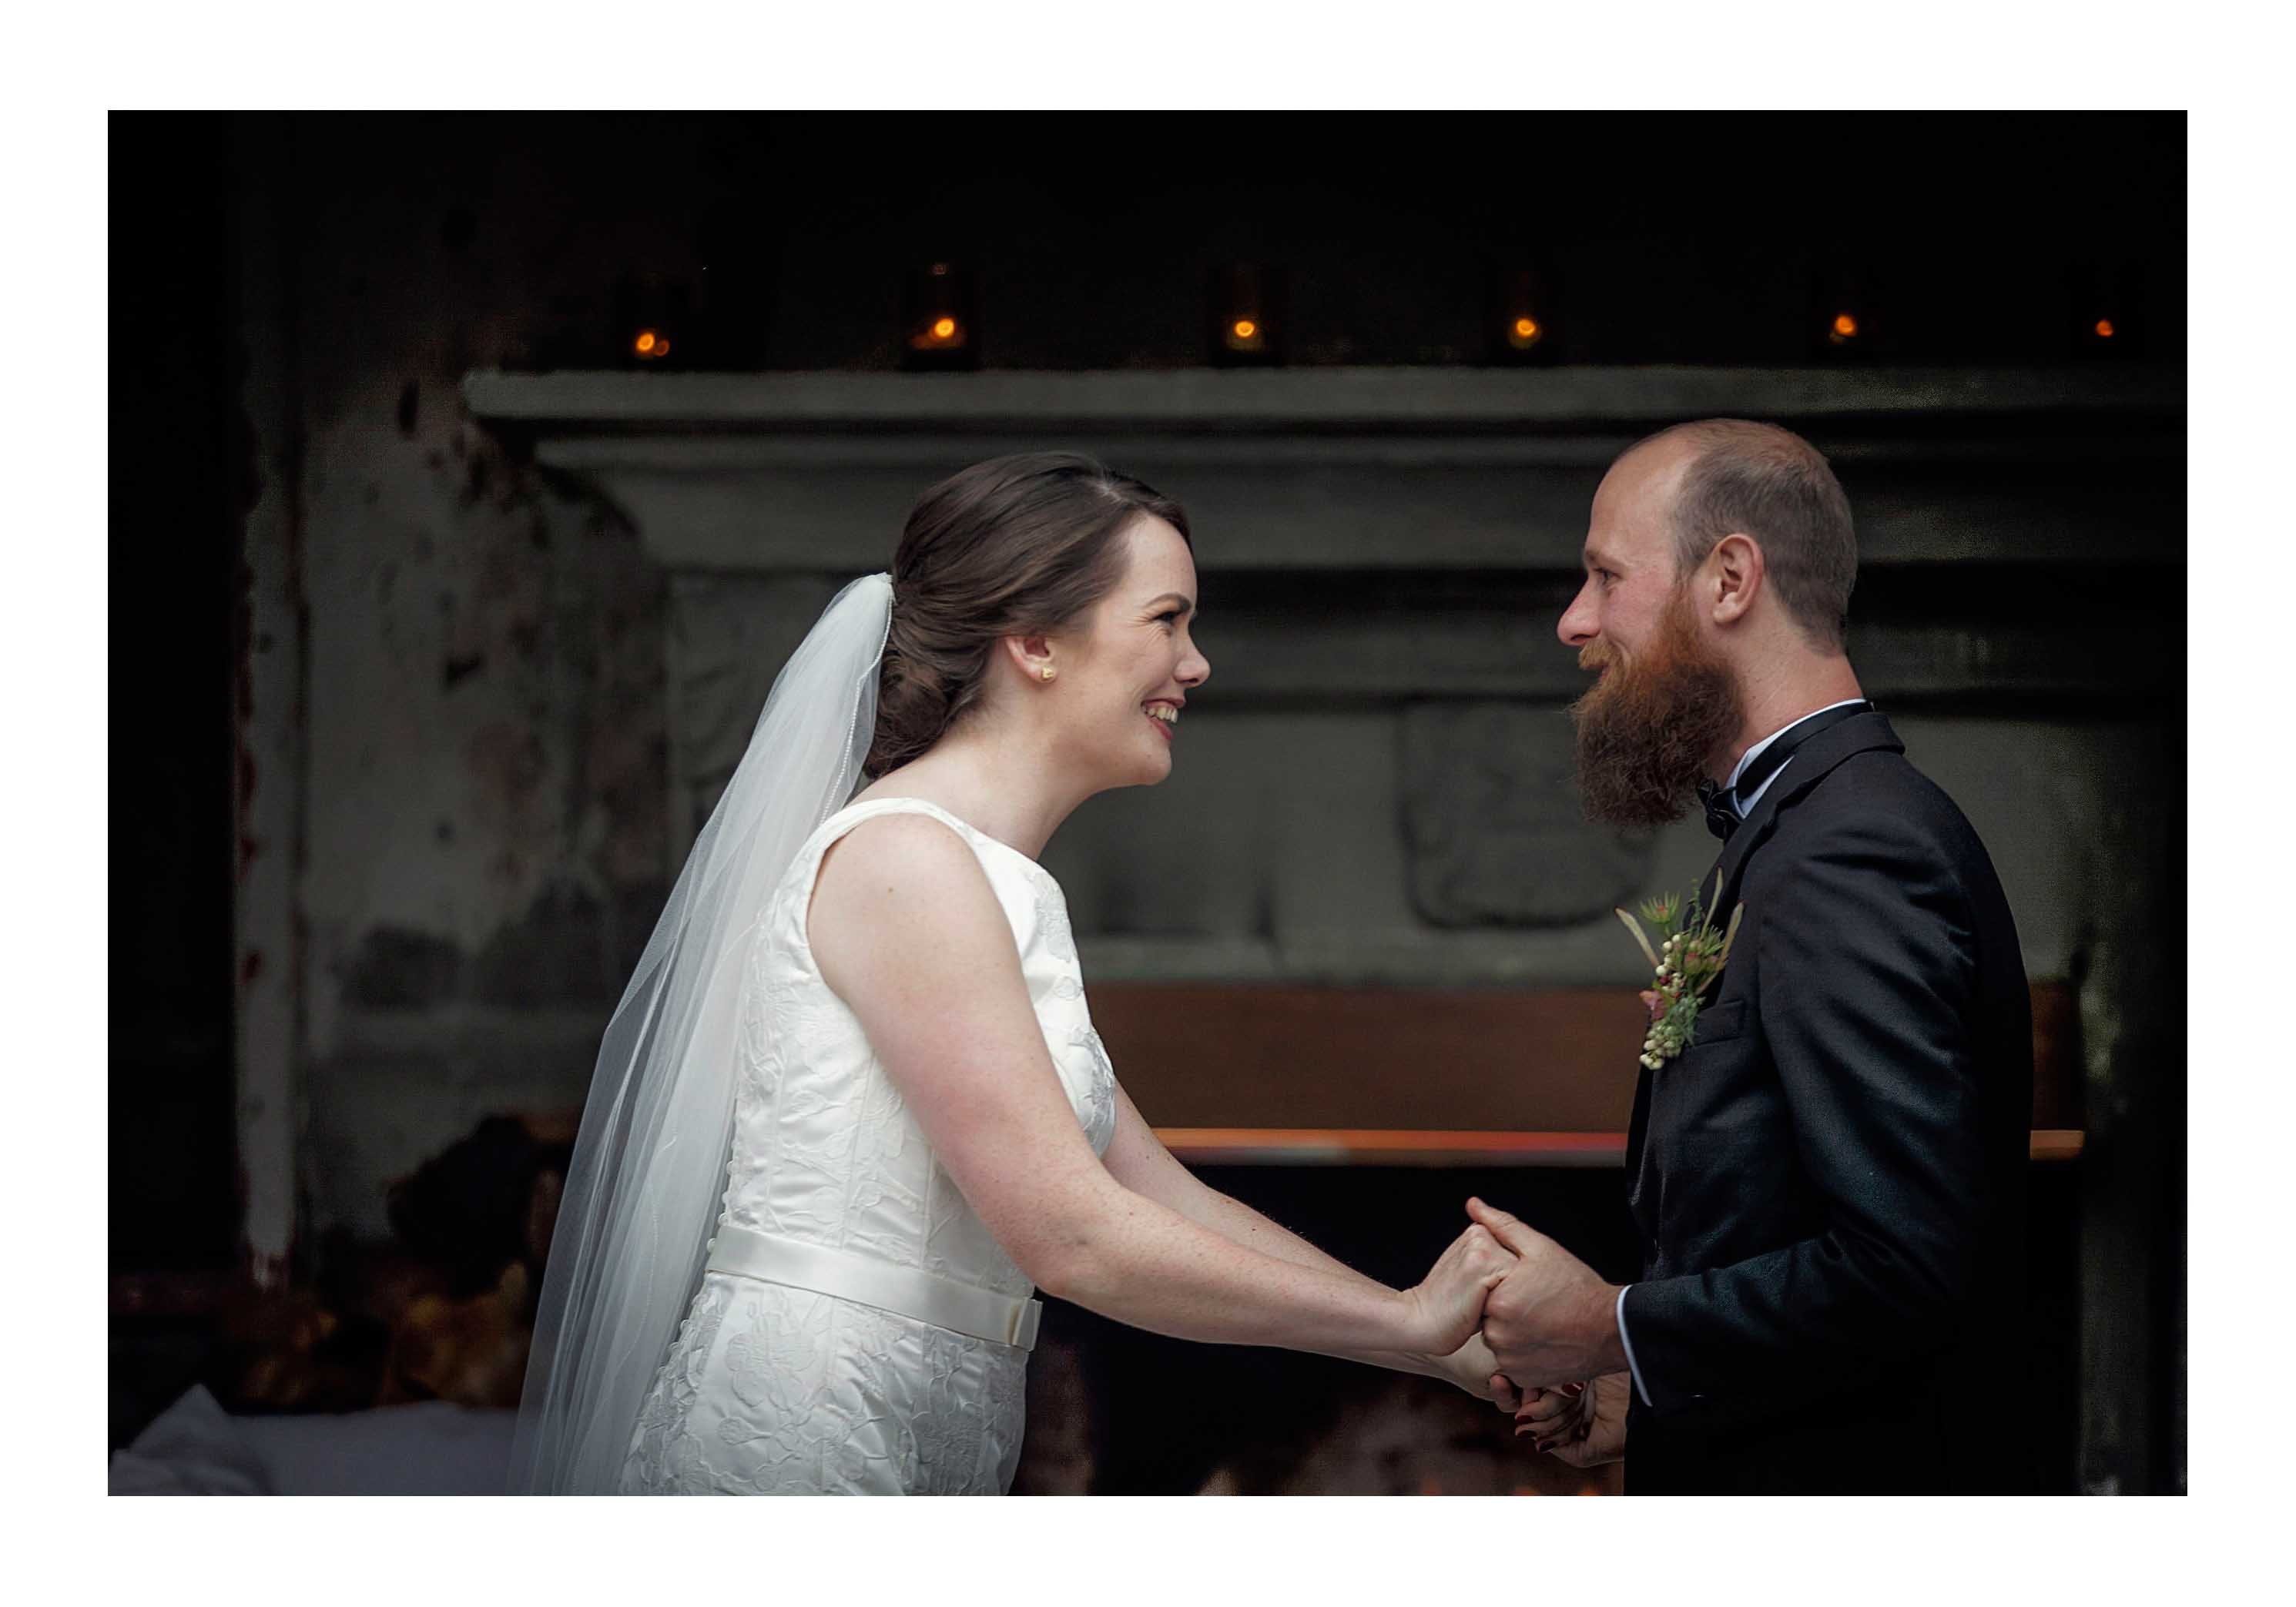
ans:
x=852 y=1112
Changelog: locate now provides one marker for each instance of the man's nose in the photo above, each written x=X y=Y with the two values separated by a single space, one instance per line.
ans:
x=1576 y=629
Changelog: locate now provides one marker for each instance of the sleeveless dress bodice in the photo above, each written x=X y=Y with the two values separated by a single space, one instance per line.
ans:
x=770 y=1388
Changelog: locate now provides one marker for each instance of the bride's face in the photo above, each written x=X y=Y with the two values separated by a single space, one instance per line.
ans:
x=1125 y=673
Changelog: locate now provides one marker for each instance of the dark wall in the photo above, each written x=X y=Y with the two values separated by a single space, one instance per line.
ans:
x=175 y=483
x=785 y=241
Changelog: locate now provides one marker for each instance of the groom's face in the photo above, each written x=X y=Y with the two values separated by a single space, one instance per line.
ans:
x=1665 y=699
x=1629 y=559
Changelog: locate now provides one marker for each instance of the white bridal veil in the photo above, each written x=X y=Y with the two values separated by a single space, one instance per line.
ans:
x=649 y=1170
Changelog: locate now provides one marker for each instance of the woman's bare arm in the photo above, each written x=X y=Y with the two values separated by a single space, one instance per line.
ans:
x=908 y=933
x=1138 y=1159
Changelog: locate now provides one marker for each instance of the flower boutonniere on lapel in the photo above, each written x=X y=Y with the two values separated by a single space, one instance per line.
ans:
x=1689 y=955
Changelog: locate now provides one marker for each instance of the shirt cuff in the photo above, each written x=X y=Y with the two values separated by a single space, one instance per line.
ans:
x=1627 y=1342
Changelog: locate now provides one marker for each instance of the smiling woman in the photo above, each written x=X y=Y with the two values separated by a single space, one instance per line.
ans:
x=1015 y=547
x=924 y=1126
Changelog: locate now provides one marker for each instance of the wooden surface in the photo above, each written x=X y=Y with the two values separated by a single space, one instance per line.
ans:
x=1489 y=1062
x=1365 y=1146
x=1248 y=1075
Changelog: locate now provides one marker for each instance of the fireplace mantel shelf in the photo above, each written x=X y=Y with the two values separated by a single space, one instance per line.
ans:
x=1312 y=398
x=1340 y=469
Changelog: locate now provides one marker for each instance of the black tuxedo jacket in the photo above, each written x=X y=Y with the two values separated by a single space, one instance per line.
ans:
x=1829 y=1183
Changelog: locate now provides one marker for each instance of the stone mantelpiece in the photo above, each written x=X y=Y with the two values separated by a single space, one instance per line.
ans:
x=1356 y=469
x=1383 y=399
x=1377 y=540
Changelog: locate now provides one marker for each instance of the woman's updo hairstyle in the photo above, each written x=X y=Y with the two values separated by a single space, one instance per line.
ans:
x=1016 y=546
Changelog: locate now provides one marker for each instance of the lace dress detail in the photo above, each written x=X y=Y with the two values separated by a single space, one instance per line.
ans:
x=769 y=1390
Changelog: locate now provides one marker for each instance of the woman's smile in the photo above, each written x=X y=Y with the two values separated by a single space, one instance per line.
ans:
x=1164 y=714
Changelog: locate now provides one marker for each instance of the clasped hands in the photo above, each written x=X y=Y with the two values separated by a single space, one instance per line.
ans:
x=1548 y=1325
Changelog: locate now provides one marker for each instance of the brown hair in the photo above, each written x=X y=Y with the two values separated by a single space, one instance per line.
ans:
x=1768 y=483
x=1015 y=547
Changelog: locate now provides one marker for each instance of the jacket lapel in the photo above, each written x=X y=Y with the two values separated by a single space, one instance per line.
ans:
x=1810 y=765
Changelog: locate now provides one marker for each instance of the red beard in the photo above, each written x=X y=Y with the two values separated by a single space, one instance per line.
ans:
x=1646 y=729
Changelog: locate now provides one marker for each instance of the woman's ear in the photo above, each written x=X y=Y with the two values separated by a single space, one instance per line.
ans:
x=1033 y=655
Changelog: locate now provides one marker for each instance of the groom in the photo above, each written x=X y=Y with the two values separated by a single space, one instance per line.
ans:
x=1829 y=1183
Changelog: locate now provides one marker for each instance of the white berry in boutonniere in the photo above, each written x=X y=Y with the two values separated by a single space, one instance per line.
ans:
x=1688 y=958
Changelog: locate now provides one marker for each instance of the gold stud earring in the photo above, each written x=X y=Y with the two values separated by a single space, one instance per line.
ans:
x=1048 y=672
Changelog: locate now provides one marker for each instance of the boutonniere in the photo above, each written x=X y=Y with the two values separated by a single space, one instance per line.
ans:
x=1687 y=959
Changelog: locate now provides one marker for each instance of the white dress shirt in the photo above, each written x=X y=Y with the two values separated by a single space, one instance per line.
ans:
x=1745 y=807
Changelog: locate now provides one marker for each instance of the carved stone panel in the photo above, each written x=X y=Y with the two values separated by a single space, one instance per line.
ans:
x=1492 y=822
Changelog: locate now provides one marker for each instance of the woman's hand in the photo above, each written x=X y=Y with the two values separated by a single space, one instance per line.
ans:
x=1447 y=1305
x=1582 y=1425
x=1474 y=1369
x=1555 y=1415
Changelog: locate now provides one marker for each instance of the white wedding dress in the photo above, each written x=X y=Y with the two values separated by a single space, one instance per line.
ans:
x=772 y=1389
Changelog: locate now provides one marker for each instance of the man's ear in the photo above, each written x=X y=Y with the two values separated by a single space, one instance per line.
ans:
x=1736 y=573
x=1032 y=654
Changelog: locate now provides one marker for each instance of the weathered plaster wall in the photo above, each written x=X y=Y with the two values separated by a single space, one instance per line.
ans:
x=482 y=711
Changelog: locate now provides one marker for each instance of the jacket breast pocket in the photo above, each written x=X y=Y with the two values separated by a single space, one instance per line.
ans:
x=1720 y=1021
x=1721 y=1082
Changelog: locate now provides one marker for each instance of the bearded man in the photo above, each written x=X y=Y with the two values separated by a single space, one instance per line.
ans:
x=1829 y=1180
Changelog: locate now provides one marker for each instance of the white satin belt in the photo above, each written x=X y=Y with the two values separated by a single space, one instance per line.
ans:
x=944 y=1303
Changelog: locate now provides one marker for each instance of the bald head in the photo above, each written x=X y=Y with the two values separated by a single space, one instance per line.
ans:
x=1728 y=477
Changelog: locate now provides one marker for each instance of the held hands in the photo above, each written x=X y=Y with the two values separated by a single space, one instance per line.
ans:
x=1447 y=1305
x=1474 y=1369
x=1550 y=1320
x=1584 y=1424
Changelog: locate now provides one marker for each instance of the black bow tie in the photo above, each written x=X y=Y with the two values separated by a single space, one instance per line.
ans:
x=1722 y=817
